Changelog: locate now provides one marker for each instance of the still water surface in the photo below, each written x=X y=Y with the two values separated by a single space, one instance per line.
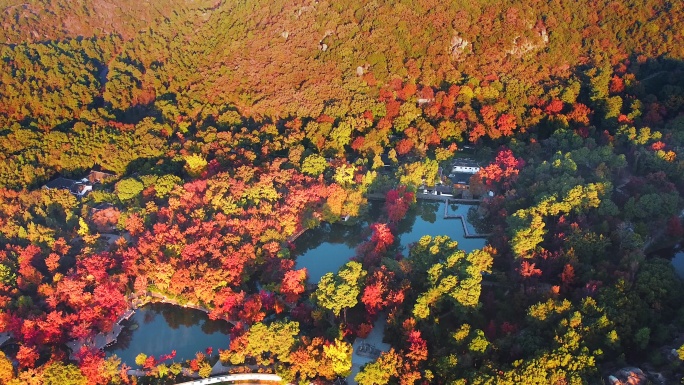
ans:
x=428 y=219
x=157 y=329
x=328 y=247
x=678 y=263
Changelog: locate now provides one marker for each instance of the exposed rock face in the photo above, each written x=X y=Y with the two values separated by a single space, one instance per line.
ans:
x=544 y=35
x=321 y=45
x=458 y=46
x=523 y=45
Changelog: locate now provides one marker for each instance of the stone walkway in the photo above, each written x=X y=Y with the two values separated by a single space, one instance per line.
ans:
x=368 y=349
x=462 y=218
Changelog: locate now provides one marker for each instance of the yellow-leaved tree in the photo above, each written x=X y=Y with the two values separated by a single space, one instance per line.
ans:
x=340 y=353
x=195 y=165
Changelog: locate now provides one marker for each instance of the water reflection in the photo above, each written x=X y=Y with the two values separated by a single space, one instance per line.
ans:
x=675 y=254
x=158 y=329
x=678 y=263
x=176 y=319
x=326 y=248
x=348 y=235
x=427 y=218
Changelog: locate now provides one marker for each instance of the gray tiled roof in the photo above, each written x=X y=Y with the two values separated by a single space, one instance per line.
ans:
x=60 y=183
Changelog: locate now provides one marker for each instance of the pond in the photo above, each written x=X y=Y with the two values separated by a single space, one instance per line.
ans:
x=328 y=247
x=427 y=218
x=675 y=253
x=158 y=329
x=678 y=263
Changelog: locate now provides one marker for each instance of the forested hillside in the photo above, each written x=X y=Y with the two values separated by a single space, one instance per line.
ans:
x=228 y=128
x=43 y=20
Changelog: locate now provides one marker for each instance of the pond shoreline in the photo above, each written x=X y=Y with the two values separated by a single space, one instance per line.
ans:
x=441 y=198
x=327 y=247
x=101 y=341
x=169 y=301
x=430 y=197
x=161 y=325
x=466 y=231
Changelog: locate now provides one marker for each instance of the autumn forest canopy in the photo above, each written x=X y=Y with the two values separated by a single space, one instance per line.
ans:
x=219 y=131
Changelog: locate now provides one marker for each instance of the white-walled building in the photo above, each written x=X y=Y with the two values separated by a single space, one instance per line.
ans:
x=467 y=166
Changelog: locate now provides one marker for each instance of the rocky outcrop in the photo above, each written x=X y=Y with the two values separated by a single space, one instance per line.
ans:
x=523 y=45
x=458 y=47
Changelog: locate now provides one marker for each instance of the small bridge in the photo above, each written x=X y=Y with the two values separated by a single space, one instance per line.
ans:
x=235 y=377
x=296 y=235
x=463 y=219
